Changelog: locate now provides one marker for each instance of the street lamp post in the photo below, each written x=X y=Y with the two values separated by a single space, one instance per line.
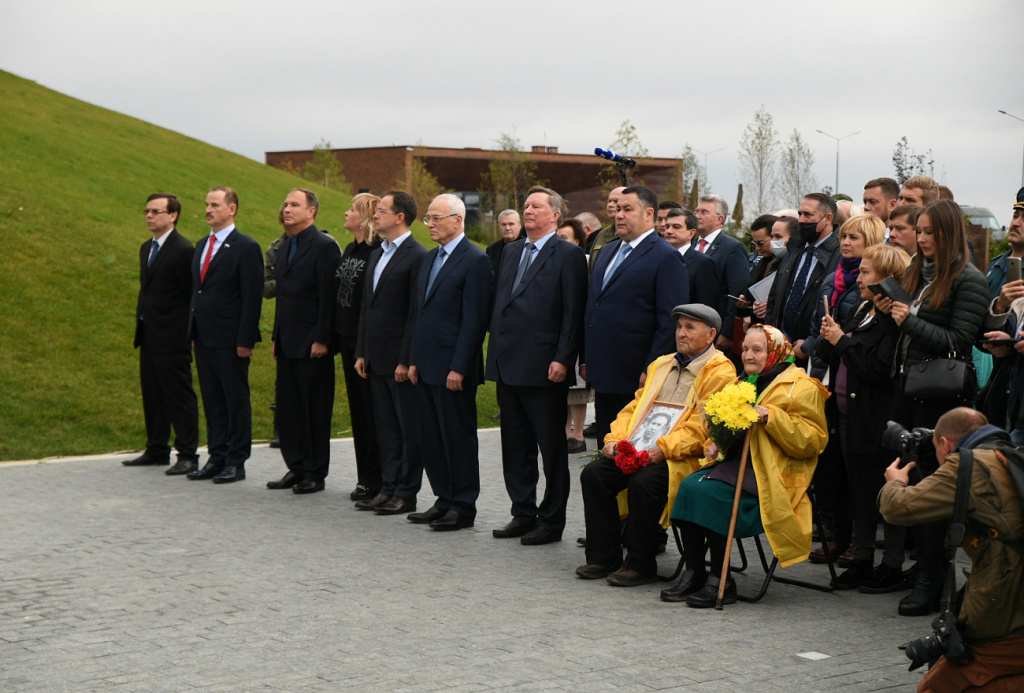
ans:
x=837 y=139
x=706 y=155
x=1022 y=162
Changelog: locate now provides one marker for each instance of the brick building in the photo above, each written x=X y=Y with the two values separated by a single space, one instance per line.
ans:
x=575 y=176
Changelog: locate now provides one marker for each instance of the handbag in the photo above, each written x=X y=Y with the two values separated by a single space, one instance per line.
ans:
x=941 y=377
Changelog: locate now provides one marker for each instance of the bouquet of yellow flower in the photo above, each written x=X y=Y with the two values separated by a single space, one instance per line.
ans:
x=729 y=413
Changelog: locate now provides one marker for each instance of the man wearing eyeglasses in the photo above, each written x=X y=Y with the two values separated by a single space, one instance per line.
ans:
x=453 y=300
x=161 y=335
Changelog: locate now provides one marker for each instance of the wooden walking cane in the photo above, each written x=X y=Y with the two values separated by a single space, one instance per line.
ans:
x=732 y=520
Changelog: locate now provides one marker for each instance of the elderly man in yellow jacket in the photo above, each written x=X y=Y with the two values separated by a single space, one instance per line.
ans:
x=674 y=384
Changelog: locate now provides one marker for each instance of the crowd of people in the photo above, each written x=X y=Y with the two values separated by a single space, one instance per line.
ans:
x=840 y=318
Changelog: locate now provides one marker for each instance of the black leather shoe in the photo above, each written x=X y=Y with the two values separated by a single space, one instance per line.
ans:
x=689 y=582
x=309 y=485
x=852 y=577
x=229 y=475
x=374 y=503
x=184 y=465
x=145 y=460
x=515 y=528
x=427 y=516
x=361 y=492
x=451 y=521
x=208 y=471
x=926 y=596
x=706 y=596
x=395 y=506
x=539 y=536
x=286 y=481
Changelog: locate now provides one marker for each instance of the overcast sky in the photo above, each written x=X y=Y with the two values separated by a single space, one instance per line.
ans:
x=261 y=76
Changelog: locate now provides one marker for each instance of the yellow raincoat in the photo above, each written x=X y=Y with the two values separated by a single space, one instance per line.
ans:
x=784 y=452
x=684 y=446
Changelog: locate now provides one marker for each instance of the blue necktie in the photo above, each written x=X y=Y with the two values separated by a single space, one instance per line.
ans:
x=796 y=294
x=154 y=249
x=435 y=268
x=623 y=252
x=293 y=247
x=524 y=265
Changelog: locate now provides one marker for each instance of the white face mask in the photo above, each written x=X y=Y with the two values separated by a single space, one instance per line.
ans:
x=778 y=247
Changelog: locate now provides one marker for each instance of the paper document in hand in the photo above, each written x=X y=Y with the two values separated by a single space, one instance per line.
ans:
x=760 y=290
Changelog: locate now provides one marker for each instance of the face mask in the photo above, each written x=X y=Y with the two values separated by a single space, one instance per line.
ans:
x=778 y=248
x=809 y=231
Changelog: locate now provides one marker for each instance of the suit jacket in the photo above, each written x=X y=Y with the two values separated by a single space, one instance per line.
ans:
x=305 y=293
x=705 y=285
x=827 y=255
x=450 y=322
x=385 y=322
x=225 y=308
x=600 y=239
x=542 y=320
x=730 y=259
x=165 y=289
x=629 y=323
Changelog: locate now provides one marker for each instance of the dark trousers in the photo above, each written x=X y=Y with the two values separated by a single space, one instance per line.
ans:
x=224 y=384
x=697 y=541
x=533 y=418
x=364 y=437
x=450 y=446
x=601 y=482
x=607 y=406
x=831 y=487
x=305 y=406
x=169 y=400
x=396 y=419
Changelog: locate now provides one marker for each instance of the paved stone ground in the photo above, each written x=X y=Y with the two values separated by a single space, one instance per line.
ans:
x=123 y=579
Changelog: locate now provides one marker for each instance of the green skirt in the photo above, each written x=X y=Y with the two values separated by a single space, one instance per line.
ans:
x=708 y=503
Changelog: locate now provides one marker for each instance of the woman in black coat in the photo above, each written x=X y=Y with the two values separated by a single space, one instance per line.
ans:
x=859 y=356
x=949 y=299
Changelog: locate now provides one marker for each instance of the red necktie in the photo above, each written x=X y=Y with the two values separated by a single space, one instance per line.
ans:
x=703 y=245
x=206 y=260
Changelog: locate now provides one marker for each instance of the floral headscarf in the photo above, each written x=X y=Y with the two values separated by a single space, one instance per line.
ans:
x=780 y=355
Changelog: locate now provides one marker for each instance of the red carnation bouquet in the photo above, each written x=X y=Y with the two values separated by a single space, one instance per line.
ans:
x=628 y=459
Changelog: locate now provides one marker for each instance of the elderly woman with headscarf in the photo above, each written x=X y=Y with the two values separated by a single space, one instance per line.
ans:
x=784 y=448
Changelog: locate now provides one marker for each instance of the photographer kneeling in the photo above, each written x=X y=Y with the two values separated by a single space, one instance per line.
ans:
x=992 y=612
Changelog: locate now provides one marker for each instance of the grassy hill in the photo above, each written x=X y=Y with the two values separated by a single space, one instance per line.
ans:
x=73 y=182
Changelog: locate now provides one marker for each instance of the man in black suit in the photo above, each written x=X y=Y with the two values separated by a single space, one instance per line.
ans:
x=303 y=324
x=730 y=258
x=383 y=343
x=705 y=286
x=810 y=259
x=636 y=282
x=536 y=330
x=161 y=335
x=227 y=296
x=453 y=300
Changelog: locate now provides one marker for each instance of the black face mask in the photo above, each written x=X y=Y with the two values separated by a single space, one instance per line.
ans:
x=809 y=232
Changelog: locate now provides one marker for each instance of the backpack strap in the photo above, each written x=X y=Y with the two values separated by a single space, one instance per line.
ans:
x=959 y=522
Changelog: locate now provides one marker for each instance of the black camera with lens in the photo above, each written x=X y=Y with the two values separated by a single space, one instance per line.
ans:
x=945 y=639
x=911 y=445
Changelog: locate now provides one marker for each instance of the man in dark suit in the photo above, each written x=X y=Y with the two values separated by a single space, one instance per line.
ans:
x=227 y=296
x=811 y=258
x=303 y=324
x=383 y=343
x=636 y=282
x=511 y=230
x=161 y=335
x=730 y=258
x=705 y=285
x=453 y=299
x=536 y=330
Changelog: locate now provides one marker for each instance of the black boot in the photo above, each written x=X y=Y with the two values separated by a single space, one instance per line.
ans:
x=926 y=595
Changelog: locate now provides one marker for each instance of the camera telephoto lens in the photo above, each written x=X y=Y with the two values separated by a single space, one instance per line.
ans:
x=923 y=650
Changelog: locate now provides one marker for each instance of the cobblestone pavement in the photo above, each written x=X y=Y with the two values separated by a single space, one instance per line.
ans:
x=123 y=579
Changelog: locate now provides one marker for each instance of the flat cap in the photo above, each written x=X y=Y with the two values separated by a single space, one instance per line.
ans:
x=699 y=311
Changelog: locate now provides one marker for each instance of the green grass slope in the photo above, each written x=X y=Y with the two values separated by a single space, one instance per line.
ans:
x=73 y=181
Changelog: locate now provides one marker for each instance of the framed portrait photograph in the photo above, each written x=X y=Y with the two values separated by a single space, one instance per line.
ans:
x=660 y=419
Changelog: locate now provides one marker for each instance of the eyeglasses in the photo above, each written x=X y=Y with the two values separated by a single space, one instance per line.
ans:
x=147 y=212
x=384 y=211
x=759 y=243
x=436 y=218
